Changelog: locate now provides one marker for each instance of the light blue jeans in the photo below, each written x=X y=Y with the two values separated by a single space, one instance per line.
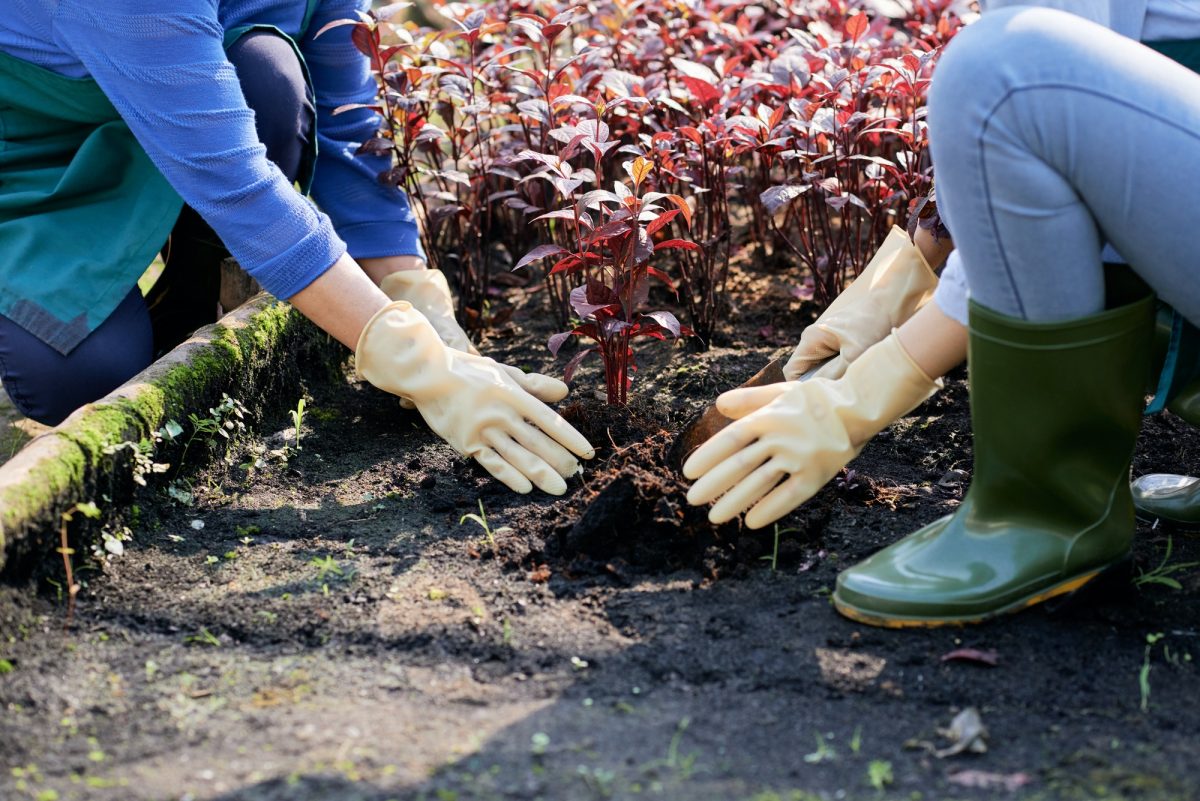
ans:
x=1052 y=135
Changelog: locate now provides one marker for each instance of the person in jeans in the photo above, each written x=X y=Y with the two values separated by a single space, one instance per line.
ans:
x=127 y=128
x=1054 y=133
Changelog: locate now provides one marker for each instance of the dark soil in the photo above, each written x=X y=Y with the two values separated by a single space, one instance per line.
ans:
x=325 y=627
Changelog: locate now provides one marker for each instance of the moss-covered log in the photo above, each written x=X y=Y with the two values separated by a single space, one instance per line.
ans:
x=253 y=354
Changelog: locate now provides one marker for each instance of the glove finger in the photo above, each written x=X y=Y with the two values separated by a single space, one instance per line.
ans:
x=543 y=476
x=833 y=369
x=555 y=455
x=502 y=471
x=720 y=479
x=737 y=403
x=405 y=403
x=548 y=420
x=725 y=444
x=542 y=387
x=746 y=493
x=781 y=500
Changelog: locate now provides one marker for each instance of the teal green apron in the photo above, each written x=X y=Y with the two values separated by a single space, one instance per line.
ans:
x=83 y=210
x=1178 y=386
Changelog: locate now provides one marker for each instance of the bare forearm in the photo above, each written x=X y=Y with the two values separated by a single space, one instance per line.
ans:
x=341 y=301
x=936 y=342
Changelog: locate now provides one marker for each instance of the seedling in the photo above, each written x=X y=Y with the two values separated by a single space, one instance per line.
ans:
x=298 y=419
x=89 y=510
x=1144 y=673
x=1164 y=572
x=774 y=557
x=824 y=753
x=482 y=521
x=325 y=566
x=203 y=637
x=879 y=774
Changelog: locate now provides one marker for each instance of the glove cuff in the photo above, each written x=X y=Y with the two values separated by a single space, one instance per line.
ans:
x=399 y=351
x=883 y=385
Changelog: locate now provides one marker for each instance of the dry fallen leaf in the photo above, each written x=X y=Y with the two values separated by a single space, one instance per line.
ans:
x=985 y=780
x=966 y=733
x=979 y=657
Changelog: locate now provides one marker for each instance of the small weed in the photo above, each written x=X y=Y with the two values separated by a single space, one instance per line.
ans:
x=325 y=566
x=774 y=557
x=1163 y=573
x=89 y=510
x=1144 y=673
x=879 y=774
x=297 y=415
x=482 y=521
x=856 y=740
x=824 y=753
x=224 y=421
x=683 y=764
x=203 y=637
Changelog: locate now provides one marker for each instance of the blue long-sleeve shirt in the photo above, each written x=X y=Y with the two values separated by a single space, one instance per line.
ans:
x=163 y=66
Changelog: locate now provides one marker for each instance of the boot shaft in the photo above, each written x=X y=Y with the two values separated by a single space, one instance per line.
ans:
x=1055 y=409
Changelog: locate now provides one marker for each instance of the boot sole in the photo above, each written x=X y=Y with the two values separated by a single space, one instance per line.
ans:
x=1165 y=523
x=1063 y=588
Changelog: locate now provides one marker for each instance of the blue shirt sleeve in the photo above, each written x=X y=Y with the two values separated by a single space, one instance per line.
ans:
x=164 y=69
x=375 y=220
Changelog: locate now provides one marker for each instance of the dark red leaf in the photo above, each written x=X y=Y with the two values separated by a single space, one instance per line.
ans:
x=573 y=365
x=671 y=244
x=540 y=252
x=661 y=220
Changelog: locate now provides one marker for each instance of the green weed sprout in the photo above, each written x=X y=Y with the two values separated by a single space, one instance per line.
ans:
x=1162 y=573
x=1144 y=673
x=774 y=557
x=482 y=521
x=879 y=774
x=298 y=419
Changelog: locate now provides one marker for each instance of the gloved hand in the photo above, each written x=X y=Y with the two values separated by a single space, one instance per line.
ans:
x=893 y=286
x=429 y=293
x=802 y=433
x=471 y=402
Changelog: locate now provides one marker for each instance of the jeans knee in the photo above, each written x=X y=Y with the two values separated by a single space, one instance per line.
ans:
x=1004 y=49
x=46 y=385
x=276 y=89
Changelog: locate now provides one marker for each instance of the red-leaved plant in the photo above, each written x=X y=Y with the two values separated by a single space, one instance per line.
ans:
x=787 y=132
x=610 y=247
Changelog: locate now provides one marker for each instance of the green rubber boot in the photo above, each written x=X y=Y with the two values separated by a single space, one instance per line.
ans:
x=1055 y=410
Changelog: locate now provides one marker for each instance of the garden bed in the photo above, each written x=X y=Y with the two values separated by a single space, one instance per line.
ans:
x=316 y=623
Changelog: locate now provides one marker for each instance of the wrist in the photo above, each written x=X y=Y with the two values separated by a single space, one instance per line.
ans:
x=380 y=267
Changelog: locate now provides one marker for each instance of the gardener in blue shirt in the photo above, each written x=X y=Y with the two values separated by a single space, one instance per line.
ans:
x=128 y=127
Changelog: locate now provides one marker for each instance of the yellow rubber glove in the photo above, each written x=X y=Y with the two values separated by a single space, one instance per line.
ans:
x=801 y=434
x=893 y=286
x=470 y=401
x=429 y=293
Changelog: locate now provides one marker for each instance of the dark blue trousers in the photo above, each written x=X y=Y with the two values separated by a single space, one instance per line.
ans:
x=46 y=385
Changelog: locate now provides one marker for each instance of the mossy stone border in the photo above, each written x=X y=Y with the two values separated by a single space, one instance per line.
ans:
x=254 y=354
